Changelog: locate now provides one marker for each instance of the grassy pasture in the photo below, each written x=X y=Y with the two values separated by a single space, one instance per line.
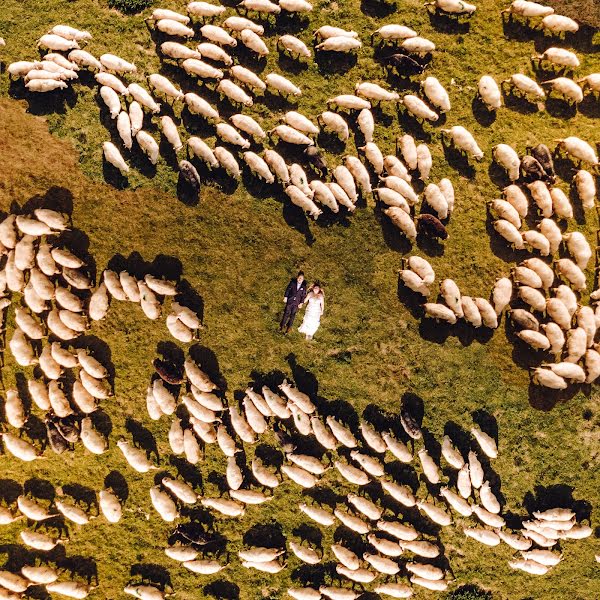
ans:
x=238 y=247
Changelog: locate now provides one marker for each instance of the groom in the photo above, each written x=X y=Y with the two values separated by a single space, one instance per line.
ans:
x=295 y=295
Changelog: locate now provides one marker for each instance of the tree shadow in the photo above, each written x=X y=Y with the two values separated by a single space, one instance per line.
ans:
x=142 y=437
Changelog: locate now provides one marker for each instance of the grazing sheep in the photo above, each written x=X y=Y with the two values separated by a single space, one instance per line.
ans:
x=282 y=85
x=417 y=108
x=349 y=102
x=293 y=45
x=586 y=188
x=578 y=149
x=436 y=94
x=339 y=44
x=217 y=35
x=489 y=92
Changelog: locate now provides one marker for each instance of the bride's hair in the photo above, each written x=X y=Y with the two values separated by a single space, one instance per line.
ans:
x=316 y=284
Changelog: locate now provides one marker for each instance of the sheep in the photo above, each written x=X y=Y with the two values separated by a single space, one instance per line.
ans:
x=510 y=233
x=508 y=159
x=421 y=548
x=484 y=536
x=549 y=238
x=327 y=31
x=144 y=592
x=349 y=102
x=436 y=94
x=366 y=124
x=463 y=140
x=528 y=9
x=403 y=533
x=587 y=321
x=565 y=87
x=447 y=188
x=41 y=575
x=549 y=379
x=576 y=345
x=394 y=590
x=590 y=83
x=173 y=27
x=116 y=64
x=339 y=44
x=229 y=508
x=424 y=161
x=13 y=582
x=135 y=457
x=579 y=149
x=568 y=370
x=22 y=67
x=291 y=136
x=436 y=514
x=282 y=85
x=528 y=566
x=343 y=435
x=417 y=108
x=45 y=85
x=561 y=205
x=191 y=447
x=382 y=564
x=372 y=91
x=164 y=13
x=319 y=515
x=365 y=506
x=374 y=157
x=293 y=45
x=352 y=474
x=21 y=349
x=253 y=42
x=229 y=134
x=439 y=312
x=70 y=589
x=161 y=84
x=559 y=313
x=578 y=247
x=586 y=188
x=204 y=9
x=333 y=122
x=261 y=6
x=305 y=593
x=459 y=504
x=384 y=546
x=43 y=74
x=113 y=156
x=354 y=523
x=527 y=86
x=453 y=7
x=306 y=555
x=178 y=51
x=296 y=6
x=567 y=269
x=394 y=32
x=489 y=92
x=486 y=442
x=418 y=45
x=436 y=200
x=110 y=506
x=203 y=567
x=516 y=197
x=346 y=181
x=217 y=35
x=248 y=77
x=345 y=556
x=324 y=195
x=559 y=57
x=359 y=172
x=37 y=540
x=57 y=43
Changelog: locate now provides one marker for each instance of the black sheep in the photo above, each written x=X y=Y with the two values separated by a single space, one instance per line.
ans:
x=190 y=174
x=543 y=155
x=431 y=226
x=403 y=64
x=532 y=170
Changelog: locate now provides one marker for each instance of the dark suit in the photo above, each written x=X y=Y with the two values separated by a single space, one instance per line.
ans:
x=294 y=296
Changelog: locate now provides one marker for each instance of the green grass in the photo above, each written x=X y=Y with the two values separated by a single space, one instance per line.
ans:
x=237 y=249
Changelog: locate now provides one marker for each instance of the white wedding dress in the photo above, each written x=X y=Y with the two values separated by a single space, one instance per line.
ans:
x=312 y=315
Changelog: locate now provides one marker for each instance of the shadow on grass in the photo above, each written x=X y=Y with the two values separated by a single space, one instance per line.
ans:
x=222 y=590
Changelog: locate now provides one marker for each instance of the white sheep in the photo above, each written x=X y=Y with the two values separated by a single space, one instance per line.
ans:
x=489 y=92
x=218 y=35
x=349 y=102
x=114 y=157
x=234 y=92
x=116 y=64
x=178 y=51
x=424 y=161
x=282 y=85
x=165 y=13
x=227 y=161
x=566 y=88
x=253 y=42
x=199 y=106
x=559 y=57
x=579 y=149
x=293 y=45
x=366 y=124
x=204 y=9
x=248 y=77
x=586 y=188
x=291 y=136
x=339 y=44
x=436 y=94
x=214 y=52
x=417 y=108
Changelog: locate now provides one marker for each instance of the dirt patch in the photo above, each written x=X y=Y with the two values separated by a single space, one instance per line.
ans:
x=583 y=11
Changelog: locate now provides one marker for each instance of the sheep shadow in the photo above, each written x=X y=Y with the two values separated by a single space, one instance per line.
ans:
x=152 y=573
x=10 y=490
x=116 y=482
x=556 y=496
x=296 y=218
x=269 y=535
x=142 y=437
x=304 y=379
x=207 y=360
x=222 y=590
x=56 y=198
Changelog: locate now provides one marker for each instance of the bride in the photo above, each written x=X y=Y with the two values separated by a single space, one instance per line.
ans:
x=315 y=299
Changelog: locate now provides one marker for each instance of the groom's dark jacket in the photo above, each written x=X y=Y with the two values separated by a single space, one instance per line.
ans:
x=295 y=295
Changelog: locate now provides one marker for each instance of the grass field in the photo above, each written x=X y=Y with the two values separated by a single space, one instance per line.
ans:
x=237 y=249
